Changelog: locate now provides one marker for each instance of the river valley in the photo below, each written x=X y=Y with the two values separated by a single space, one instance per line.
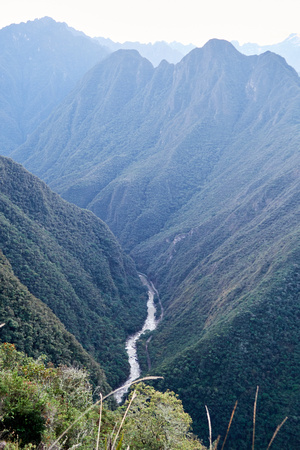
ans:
x=149 y=325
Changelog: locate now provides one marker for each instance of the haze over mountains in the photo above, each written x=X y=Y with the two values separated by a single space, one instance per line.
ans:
x=37 y=71
x=289 y=49
x=195 y=168
x=172 y=52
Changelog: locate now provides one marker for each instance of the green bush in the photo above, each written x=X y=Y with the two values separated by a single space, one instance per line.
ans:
x=38 y=402
x=23 y=408
x=157 y=421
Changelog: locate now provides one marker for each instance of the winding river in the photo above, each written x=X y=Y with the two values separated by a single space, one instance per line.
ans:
x=149 y=324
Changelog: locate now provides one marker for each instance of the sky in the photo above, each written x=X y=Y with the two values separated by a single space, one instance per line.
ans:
x=187 y=21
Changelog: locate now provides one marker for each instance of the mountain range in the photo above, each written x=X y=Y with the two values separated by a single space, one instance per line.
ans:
x=195 y=168
x=158 y=51
x=173 y=52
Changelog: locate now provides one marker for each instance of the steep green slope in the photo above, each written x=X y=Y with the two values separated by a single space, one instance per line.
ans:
x=196 y=170
x=35 y=330
x=69 y=259
x=40 y=62
x=254 y=345
x=237 y=312
x=230 y=284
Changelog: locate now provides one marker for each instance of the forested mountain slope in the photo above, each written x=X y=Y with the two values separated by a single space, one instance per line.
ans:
x=69 y=259
x=195 y=167
x=40 y=62
x=35 y=330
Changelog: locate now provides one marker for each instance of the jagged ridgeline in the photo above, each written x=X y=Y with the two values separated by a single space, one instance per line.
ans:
x=68 y=259
x=195 y=167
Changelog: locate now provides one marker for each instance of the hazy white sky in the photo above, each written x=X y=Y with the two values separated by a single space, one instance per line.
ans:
x=186 y=21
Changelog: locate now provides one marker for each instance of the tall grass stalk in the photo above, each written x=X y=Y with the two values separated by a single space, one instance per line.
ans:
x=276 y=431
x=94 y=404
x=124 y=416
x=254 y=417
x=209 y=427
x=100 y=417
x=229 y=425
x=217 y=442
x=108 y=442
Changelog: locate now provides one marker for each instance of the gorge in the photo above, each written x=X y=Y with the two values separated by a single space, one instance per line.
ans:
x=195 y=168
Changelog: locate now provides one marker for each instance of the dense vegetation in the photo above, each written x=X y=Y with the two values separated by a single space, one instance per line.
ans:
x=35 y=330
x=195 y=167
x=40 y=402
x=68 y=258
x=255 y=345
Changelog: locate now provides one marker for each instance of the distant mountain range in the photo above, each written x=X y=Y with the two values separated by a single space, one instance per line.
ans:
x=172 y=52
x=37 y=72
x=289 y=49
x=40 y=62
x=195 y=168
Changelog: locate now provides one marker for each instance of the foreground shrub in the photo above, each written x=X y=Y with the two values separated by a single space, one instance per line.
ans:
x=157 y=421
x=38 y=402
x=22 y=408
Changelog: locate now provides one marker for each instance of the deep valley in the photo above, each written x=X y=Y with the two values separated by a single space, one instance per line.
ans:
x=187 y=172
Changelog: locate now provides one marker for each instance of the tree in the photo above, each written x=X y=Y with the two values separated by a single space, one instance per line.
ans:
x=157 y=420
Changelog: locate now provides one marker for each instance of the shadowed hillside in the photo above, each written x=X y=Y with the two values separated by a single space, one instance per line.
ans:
x=34 y=329
x=69 y=259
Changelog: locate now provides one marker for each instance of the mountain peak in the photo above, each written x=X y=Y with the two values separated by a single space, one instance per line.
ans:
x=215 y=48
x=219 y=46
x=130 y=53
x=44 y=20
x=294 y=38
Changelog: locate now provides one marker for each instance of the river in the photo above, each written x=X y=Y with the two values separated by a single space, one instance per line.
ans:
x=149 y=325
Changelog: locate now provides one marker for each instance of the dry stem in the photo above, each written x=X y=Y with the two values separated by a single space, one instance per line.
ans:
x=254 y=417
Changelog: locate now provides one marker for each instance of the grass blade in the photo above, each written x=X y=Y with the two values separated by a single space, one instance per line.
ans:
x=254 y=417
x=209 y=426
x=229 y=425
x=217 y=442
x=99 y=427
x=275 y=432
x=122 y=421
